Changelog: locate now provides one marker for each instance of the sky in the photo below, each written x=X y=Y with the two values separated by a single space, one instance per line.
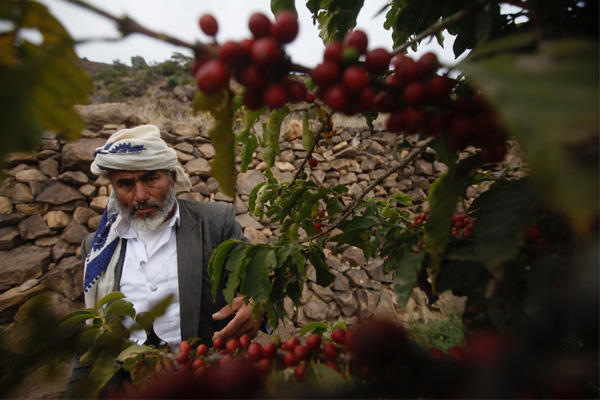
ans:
x=179 y=18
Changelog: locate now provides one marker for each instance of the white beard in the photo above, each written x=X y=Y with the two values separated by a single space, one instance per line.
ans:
x=151 y=223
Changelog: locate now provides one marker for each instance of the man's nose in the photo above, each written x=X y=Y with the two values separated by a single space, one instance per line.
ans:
x=141 y=194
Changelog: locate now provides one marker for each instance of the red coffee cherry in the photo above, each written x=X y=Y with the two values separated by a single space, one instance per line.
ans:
x=333 y=52
x=336 y=98
x=266 y=52
x=255 y=352
x=260 y=25
x=378 y=60
x=357 y=39
x=355 y=78
x=414 y=93
x=274 y=96
x=313 y=341
x=212 y=77
x=428 y=62
x=339 y=335
x=209 y=24
x=299 y=372
x=325 y=73
x=330 y=350
x=285 y=27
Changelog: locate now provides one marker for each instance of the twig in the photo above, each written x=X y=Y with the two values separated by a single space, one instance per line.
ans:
x=443 y=24
x=348 y=210
x=127 y=26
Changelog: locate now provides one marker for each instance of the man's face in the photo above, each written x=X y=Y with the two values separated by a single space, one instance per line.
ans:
x=146 y=198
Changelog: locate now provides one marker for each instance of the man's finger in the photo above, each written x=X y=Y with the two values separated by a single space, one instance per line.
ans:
x=227 y=311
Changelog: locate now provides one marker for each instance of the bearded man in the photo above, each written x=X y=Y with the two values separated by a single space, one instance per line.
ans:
x=150 y=245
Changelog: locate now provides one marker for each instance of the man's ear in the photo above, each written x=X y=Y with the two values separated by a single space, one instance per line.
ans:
x=174 y=176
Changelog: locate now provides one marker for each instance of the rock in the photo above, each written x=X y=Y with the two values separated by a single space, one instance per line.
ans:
x=325 y=293
x=10 y=219
x=423 y=167
x=340 y=283
x=248 y=180
x=47 y=241
x=348 y=179
x=99 y=203
x=75 y=178
x=49 y=167
x=57 y=219
x=31 y=175
x=74 y=233
x=315 y=309
x=354 y=256
x=9 y=238
x=207 y=150
x=348 y=152
x=20 y=193
x=359 y=278
x=58 y=193
x=19 y=295
x=255 y=236
x=66 y=278
x=80 y=154
x=367 y=301
x=185 y=130
x=33 y=227
x=6 y=206
x=417 y=195
x=375 y=271
x=31 y=208
x=94 y=223
x=87 y=190
x=346 y=302
x=98 y=115
x=246 y=220
x=64 y=249
x=23 y=263
x=198 y=166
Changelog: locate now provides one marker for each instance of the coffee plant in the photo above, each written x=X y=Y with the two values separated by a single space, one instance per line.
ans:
x=524 y=252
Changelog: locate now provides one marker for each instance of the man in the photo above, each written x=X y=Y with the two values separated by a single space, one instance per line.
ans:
x=150 y=245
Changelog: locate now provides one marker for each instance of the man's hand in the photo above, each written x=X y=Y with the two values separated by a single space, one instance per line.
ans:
x=242 y=323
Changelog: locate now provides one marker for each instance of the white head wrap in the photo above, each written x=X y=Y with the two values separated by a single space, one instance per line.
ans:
x=139 y=149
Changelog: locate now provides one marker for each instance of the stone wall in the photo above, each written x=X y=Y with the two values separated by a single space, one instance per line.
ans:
x=50 y=201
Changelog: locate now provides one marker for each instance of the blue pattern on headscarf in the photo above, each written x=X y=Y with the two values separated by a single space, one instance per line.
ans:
x=97 y=265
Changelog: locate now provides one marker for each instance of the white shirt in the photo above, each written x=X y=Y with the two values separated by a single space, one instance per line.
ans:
x=150 y=274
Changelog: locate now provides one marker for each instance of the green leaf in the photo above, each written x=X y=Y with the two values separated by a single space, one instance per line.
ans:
x=355 y=228
x=443 y=197
x=274 y=127
x=216 y=262
x=269 y=156
x=501 y=223
x=323 y=378
x=249 y=146
x=278 y=5
x=308 y=137
x=549 y=102
x=442 y=152
x=204 y=102
x=110 y=297
x=252 y=197
x=317 y=258
x=121 y=307
x=313 y=326
x=339 y=324
x=222 y=165
x=133 y=351
x=401 y=198
x=256 y=283
x=236 y=267
x=406 y=275
x=75 y=318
